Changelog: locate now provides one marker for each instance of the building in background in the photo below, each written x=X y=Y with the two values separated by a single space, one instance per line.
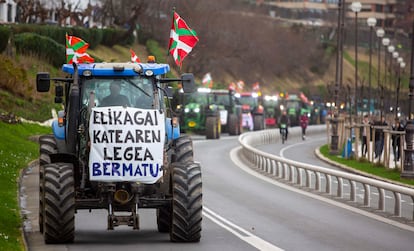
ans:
x=324 y=12
x=7 y=11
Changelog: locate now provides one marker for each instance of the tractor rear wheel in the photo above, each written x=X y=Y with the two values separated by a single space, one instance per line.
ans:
x=47 y=146
x=183 y=149
x=59 y=203
x=187 y=202
x=258 y=122
x=235 y=127
x=211 y=127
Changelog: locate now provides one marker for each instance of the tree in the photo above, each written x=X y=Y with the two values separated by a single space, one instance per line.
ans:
x=29 y=11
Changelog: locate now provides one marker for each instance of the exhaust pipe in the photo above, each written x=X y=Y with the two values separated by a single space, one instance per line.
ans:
x=122 y=196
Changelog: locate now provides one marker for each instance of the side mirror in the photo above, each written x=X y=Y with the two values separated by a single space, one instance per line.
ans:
x=188 y=83
x=42 y=82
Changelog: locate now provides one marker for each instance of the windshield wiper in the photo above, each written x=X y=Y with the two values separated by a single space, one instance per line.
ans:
x=135 y=85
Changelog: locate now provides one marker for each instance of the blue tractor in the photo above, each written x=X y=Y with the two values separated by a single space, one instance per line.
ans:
x=117 y=146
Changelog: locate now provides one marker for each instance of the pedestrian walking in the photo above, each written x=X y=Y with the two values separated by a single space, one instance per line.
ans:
x=365 y=131
x=396 y=139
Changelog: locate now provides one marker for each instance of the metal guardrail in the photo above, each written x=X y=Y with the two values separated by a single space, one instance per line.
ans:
x=301 y=174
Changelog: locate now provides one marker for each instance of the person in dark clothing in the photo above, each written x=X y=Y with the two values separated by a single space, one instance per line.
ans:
x=365 y=131
x=379 y=137
x=284 y=120
x=304 y=121
x=396 y=140
x=115 y=98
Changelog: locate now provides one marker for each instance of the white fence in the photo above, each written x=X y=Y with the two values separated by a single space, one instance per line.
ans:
x=302 y=174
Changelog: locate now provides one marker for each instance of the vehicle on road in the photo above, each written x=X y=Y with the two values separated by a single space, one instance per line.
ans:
x=199 y=114
x=121 y=157
x=230 y=110
x=253 y=111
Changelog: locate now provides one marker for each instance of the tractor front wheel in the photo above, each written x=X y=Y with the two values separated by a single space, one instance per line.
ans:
x=187 y=202
x=59 y=203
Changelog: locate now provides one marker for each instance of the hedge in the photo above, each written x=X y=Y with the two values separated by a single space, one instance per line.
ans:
x=4 y=37
x=93 y=36
x=47 y=48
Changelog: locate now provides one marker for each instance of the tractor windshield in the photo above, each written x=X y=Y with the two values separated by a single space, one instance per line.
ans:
x=196 y=97
x=221 y=99
x=128 y=91
x=248 y=100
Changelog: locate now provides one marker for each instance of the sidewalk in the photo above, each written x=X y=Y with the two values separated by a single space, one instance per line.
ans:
x=29 y=208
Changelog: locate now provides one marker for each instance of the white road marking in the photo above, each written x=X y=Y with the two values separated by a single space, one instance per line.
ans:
x=239 y=232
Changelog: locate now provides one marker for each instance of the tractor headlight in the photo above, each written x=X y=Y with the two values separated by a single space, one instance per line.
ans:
x=186 y=110
x=149 y=73
x=87 y=73
x=197 y=110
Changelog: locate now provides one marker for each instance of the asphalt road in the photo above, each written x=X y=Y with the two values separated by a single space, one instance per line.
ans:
x=242 y=211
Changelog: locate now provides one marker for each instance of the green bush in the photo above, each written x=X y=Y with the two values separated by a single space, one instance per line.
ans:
x=96 y=37
x=111 y=37
x=153 y=48
x=47 y=48
x=4 y=37
x=93 y=36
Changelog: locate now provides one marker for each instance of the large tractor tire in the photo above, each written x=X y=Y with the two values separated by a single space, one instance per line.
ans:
x=59 y=203
x=183 y=149
x=187 y=204
x=211 y=128
x=258 y=122
x=183 y=152
x=234 y=125
x=47 y=146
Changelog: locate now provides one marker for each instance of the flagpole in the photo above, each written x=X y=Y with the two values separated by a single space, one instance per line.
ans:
x=172 y=21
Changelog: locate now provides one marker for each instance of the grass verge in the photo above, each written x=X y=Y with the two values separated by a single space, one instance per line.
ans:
x=16 y=151
x=367 y=167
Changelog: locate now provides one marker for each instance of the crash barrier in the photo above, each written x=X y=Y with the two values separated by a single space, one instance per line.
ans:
x=301 y=174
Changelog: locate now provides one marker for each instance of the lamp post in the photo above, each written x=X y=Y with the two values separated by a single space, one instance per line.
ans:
x=391 y=50
x=338 y=78
x=380 y=33
x=401 y=66
x=385 y=42
x=371 y=23
x=408 y=166
x=393 y=75
x=356 y=7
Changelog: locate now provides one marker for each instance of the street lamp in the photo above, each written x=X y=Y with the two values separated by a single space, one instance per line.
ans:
x=338 y=77
x=408 y=166
x=385 y=42
x=401 y=66
x=380 y=34
x=391 y=50
x=371 y=23
x=356 y=7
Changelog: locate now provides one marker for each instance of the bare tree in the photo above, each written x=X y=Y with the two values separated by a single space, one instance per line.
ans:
x=30 y=10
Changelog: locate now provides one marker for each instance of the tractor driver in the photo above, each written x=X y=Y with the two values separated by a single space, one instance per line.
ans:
x=115 y=98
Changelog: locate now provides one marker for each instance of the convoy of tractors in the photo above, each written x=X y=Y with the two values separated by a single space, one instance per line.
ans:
x=117 y=145
x=210 y=111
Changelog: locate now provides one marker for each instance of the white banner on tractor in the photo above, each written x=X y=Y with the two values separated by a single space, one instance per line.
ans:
x=127 y=144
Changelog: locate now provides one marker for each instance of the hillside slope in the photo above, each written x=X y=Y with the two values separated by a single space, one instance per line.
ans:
x=18 y=93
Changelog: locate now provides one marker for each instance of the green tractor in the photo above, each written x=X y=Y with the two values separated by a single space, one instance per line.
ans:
x=230 y=111
x=199 y=114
